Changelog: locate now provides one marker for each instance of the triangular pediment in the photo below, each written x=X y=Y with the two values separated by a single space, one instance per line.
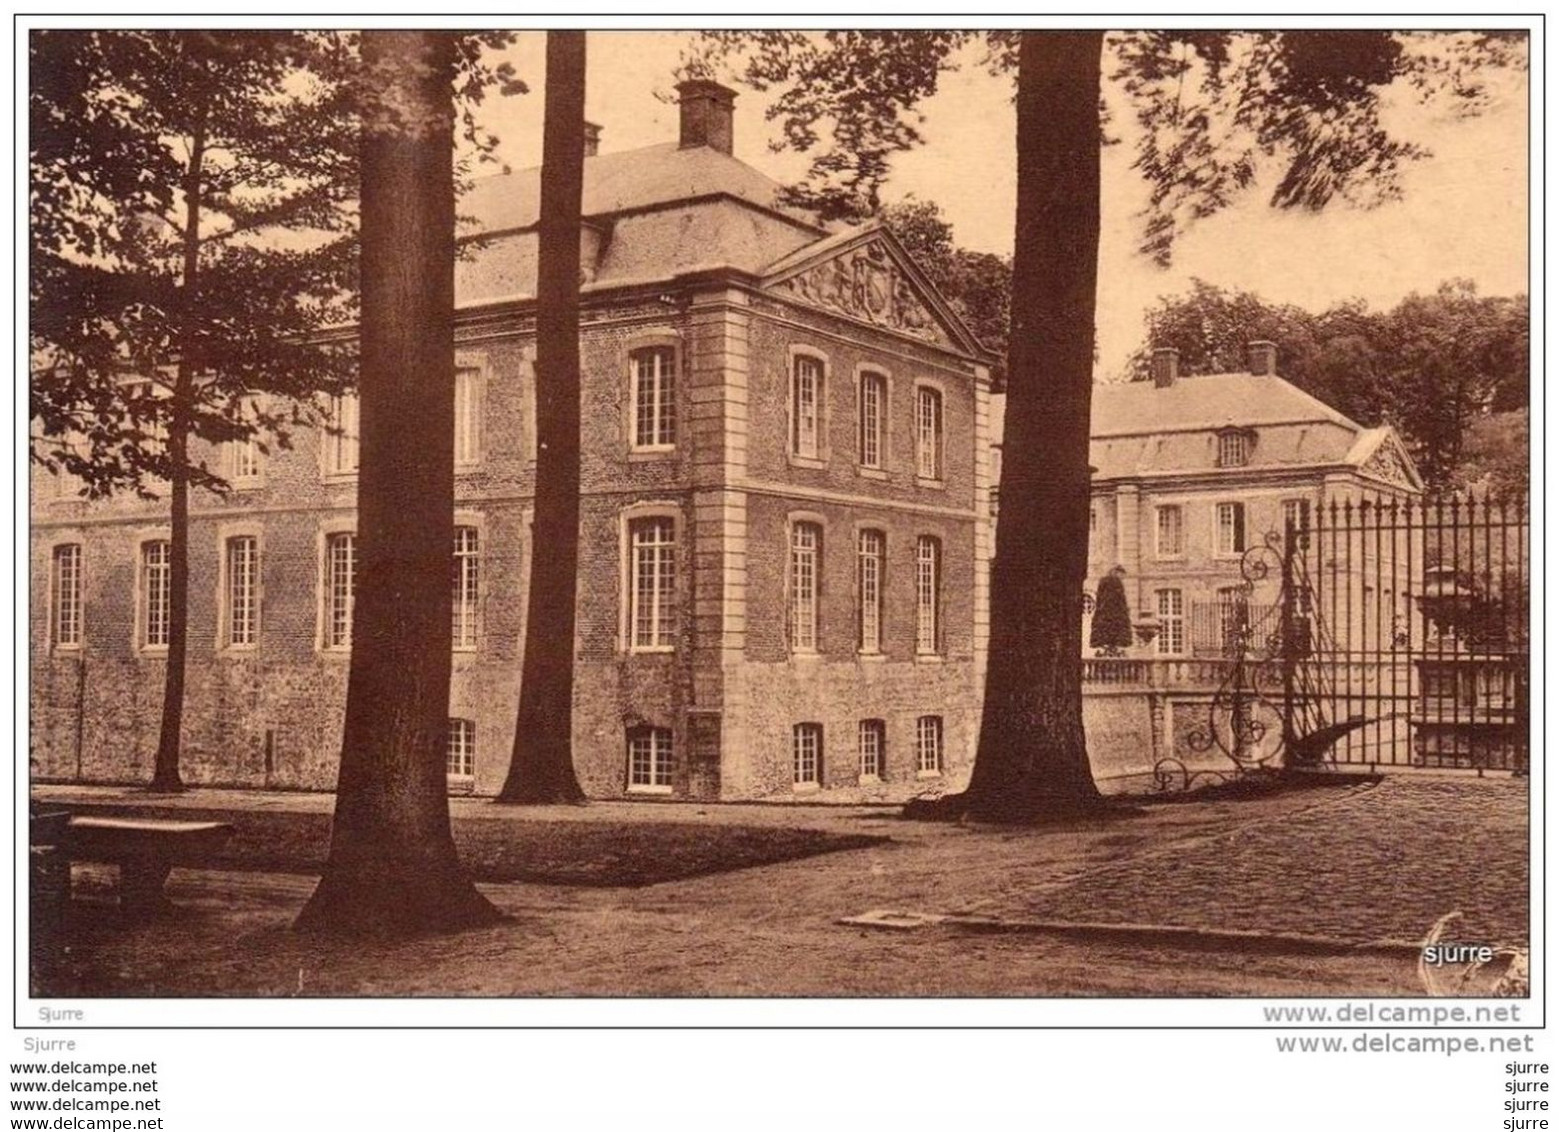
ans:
x=1390 y=463
x=865 y=274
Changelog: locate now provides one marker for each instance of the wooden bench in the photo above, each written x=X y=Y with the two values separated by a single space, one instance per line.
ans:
x=145 y=849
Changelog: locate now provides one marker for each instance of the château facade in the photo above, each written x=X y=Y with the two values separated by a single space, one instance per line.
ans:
x=783 y=525
x=1190 y=472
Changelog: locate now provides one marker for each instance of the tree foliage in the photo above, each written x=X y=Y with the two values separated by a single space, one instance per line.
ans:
x=191 y=201
x=1496 y=454
x=978 y=284
x=860 y=89
x=1215 y=114
x=1452 y=358
x=1435 y=366
x=114 y=169
x=1219 y=114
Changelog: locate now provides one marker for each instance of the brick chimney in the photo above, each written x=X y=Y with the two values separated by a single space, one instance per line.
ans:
x=592 y=139
x=707 y=110
x=1166 y=366
x=1263 y=358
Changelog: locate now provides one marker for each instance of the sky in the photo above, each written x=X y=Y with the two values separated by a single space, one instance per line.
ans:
x=1463 y=212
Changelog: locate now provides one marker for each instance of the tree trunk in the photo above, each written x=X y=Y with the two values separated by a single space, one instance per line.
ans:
x=542 y=766
x=392 y=867
x=165 y=772
x=1032 y=761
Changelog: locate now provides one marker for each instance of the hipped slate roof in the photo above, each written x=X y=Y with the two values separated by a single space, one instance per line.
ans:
x=625 y=181
x=662 y=211
x=1205 y=402
x=1139 y=429
x=650 y=213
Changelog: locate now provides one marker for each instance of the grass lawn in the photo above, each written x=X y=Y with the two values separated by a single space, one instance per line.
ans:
x=607 y=854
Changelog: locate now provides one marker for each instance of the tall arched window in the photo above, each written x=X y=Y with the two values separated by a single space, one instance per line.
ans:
x=806 y=407
x=65 y=596
x=928 y=433
x=928 y=594
x=869 y=575
x=652 y=581
x=806 y=559
x=340 y=589
x=156 y=588
x=465 y=586
x=872 y=410
x=653 y=374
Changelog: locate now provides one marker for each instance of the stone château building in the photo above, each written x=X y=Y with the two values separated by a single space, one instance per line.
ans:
x=1189 y=472
x=783 y=519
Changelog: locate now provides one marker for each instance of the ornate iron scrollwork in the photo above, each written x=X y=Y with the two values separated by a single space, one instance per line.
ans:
x=1245 y=720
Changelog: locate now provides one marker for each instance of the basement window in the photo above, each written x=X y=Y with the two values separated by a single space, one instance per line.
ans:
x=649 y=760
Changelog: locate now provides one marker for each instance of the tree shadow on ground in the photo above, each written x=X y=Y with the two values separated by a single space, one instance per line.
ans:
x=595 y=854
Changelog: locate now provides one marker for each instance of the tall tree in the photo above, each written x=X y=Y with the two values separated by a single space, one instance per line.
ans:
x=542 y=766
x=1032 y=758
x=1453 y=357
x=392 y=867
x=160 y=161
x=1211 y=109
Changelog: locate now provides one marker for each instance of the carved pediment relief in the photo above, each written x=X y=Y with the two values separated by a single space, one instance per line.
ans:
x=867 y=283
x=1390 y=463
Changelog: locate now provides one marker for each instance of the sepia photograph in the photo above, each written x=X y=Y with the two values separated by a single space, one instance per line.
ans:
x=856 y=514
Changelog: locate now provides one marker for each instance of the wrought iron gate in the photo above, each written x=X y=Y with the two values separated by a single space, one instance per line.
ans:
x=1379 y=633
x=1413 y=629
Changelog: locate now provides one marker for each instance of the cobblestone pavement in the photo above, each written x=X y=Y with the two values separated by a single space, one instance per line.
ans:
x=1376 y=862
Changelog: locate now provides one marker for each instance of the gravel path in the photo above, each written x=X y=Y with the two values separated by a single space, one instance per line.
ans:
x=1354 y=863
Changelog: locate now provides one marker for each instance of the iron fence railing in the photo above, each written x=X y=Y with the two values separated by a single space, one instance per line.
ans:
x=1380 y=632
x=1421 y=616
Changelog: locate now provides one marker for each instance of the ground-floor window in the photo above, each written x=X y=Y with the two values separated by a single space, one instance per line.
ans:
x=649 y=760
x=67 y=595
x=461 y=763
x=156 y=586
x=873 y=745
x=807 y=747
x=340 y=589
x=928 y=744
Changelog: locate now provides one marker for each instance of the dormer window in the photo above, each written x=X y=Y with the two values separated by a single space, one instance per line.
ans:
x=1234 y=447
